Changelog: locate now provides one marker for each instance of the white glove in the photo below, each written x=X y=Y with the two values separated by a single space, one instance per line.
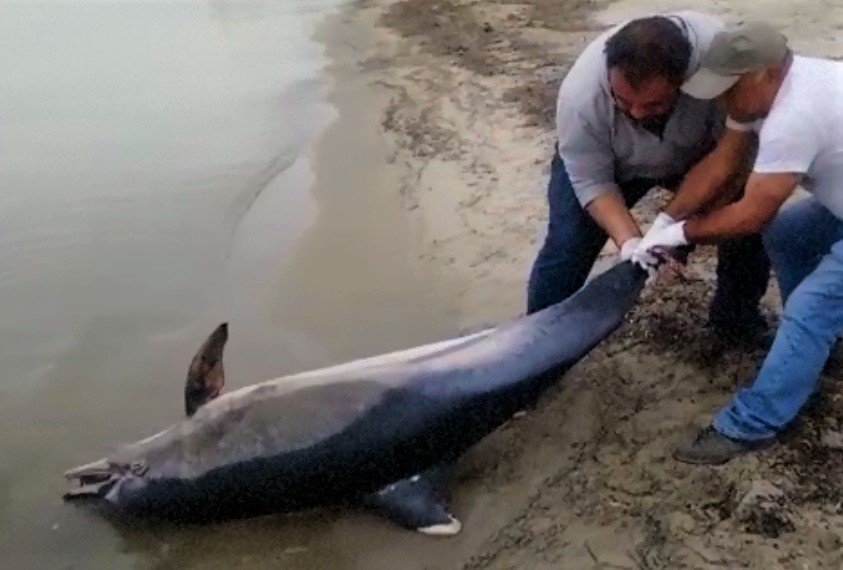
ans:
x=647 y=261
x=672 y=235
x=628 y=248
x=661 y=221
x=643 y=256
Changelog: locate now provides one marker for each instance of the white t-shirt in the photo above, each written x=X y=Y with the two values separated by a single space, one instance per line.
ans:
x=803 y=132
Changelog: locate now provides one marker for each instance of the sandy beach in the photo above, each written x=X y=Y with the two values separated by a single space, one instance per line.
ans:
x=585 y=480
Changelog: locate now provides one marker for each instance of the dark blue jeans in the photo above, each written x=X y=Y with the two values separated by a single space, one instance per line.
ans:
x=574 y=240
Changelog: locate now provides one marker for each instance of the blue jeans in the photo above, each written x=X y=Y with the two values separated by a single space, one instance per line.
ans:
x=574 y=240
x=805 y=243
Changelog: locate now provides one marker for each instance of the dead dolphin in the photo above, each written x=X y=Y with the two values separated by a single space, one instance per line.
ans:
x=365 y=431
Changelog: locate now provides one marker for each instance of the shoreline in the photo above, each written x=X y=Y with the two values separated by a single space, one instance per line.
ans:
x=356 y=282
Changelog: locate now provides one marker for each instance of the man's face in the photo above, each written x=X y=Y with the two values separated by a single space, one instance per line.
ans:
x=649 y=104
x=751 y=97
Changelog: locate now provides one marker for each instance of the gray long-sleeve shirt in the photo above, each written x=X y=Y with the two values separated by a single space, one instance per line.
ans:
x=602 y=148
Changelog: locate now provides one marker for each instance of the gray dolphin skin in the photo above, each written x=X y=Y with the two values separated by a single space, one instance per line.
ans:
x=371 y=432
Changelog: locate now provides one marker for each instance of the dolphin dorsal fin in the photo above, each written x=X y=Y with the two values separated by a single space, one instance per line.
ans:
x=205 y=377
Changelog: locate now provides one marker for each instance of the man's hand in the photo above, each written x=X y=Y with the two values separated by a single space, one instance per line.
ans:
x=646 y=261
x=669 y=236
x=661 y=221
x=630 y=249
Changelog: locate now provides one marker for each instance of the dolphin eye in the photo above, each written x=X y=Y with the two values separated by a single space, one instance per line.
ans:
x=139 y=468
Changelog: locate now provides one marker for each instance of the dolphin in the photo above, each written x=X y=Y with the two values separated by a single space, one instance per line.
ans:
x=371 y=432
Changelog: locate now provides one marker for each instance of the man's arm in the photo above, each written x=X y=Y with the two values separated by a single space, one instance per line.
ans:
x=586 y=149
x=611 y=213
x=764 y=195
x=706 y=182
x=589 y=162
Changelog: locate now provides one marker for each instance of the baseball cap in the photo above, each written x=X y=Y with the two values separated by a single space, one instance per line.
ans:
x=750 y=46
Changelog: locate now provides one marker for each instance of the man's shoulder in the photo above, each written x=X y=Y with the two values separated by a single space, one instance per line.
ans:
x=697 y=21
x=701 y=30
x=806 y=69
x=585 y=81
x=698 y=18
x=803 y=91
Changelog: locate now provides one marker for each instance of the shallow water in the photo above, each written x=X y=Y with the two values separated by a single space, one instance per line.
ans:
x=157 y=173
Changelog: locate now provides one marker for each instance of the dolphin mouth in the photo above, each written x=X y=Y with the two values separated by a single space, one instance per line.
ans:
x=92 y=489
x=96 y=479
x=90 y=472
x=104 y=468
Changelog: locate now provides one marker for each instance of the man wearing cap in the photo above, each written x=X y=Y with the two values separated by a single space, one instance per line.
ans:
x=794 y=103
x=624 y=127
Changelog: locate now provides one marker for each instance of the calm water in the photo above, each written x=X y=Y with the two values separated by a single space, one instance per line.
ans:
x=156 y=177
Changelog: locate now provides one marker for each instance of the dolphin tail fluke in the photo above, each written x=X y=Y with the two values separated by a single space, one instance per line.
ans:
x=205 y=377
x=416 y=504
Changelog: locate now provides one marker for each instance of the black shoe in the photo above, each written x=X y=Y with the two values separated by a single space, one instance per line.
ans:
x=710 y=447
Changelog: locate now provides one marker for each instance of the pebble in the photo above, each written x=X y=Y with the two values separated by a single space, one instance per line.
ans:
x=833 y=439
x=828 y=541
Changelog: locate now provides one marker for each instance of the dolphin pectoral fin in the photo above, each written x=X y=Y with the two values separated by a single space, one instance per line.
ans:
x=205 y=377
x=416 y=504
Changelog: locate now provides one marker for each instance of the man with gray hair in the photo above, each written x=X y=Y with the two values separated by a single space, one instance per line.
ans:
x=624 y=127
x=794 y=103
